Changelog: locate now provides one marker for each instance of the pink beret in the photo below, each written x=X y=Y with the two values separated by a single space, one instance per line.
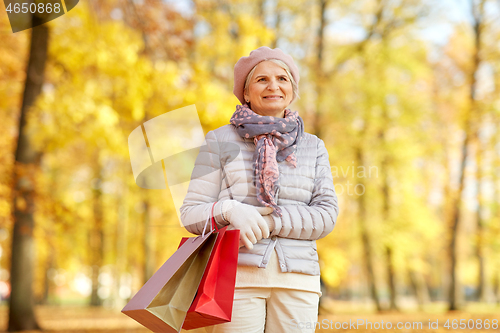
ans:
x=245 y=65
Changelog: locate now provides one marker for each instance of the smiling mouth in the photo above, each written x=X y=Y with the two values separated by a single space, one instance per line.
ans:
x=273 y=97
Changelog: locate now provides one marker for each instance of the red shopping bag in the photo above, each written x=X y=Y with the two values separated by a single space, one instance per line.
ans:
x=213 y=303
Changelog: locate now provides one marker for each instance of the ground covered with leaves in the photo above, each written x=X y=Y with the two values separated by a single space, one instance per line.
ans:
x=339 y=316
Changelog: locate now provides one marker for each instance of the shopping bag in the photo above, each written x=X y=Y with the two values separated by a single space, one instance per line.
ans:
x=213 y=303
x=162 y=303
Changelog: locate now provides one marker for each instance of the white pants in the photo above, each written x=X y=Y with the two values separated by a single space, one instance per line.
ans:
x=271 y=310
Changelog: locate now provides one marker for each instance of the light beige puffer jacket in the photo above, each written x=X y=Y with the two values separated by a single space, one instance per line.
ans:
x=224 y=170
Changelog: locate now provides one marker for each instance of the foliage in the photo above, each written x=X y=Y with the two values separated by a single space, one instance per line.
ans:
x=398 y=99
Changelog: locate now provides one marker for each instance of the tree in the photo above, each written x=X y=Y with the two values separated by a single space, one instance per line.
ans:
x=21 y=302
x=469 y=129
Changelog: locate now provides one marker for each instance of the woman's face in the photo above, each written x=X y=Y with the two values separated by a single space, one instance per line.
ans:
x=270 y=90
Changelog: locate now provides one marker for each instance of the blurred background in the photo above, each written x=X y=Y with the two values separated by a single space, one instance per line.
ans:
x=405 y=94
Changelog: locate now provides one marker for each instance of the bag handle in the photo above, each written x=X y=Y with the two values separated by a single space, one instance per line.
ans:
x=211 y=215
x=214 y=225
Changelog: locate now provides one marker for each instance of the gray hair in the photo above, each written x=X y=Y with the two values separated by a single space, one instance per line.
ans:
x=295 y=87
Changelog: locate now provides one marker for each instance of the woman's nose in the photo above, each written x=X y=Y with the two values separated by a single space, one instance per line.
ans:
x=272 y=85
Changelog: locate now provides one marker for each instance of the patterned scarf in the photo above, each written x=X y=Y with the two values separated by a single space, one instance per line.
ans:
x=276 y=140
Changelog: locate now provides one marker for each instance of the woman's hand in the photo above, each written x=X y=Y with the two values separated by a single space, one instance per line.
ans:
x=248 y=220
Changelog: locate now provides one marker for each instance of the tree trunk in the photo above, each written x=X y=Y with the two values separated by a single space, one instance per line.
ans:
x=419 y=287
x=325 y=292
x=446 y=211
x=470 y=122
x=386 y=215
x=496 y=287
x=121 y=245
x=481 y=283
x=320 y=78
x=50 y=260
x=455 y=218
x=365 y=239
x=261 y=11
x=388 y=247
x=96 y=234
x=276 y=30
x=391 y=277
x=496 y=205
x=149 y=258
x=47 y=285
x=27 y=160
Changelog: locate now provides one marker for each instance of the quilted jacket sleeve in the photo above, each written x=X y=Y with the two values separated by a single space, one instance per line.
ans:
x=316 y=220
x=204 y=188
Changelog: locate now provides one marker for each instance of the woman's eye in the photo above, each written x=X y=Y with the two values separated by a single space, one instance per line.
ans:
x=280 y=79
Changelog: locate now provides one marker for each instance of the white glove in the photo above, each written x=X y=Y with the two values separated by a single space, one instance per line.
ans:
x=248 y=220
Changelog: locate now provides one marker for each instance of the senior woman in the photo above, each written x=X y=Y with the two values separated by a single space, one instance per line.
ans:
x=272 y=181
